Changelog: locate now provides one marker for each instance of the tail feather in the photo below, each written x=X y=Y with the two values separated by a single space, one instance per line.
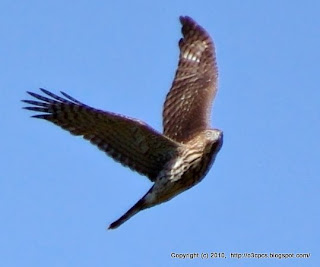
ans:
x=140 y=205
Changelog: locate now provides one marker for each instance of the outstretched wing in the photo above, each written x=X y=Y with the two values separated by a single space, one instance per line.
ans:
x=128 y=141
x=188 y=103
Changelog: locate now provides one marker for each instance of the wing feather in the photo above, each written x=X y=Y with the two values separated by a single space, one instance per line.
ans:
x=188 y=104
x=128 y=141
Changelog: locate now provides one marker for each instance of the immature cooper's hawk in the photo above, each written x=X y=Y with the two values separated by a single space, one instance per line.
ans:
x=175 y=160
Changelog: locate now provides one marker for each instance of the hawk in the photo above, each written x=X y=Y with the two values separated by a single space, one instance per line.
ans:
x=175 y=160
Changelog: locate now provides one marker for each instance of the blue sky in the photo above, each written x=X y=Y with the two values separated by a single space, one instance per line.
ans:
x=58 y=193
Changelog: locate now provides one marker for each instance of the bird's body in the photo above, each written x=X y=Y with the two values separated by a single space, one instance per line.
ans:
x=175 y=160
x=182 y=172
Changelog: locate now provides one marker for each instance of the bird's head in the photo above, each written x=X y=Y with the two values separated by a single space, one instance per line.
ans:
x=213 y=140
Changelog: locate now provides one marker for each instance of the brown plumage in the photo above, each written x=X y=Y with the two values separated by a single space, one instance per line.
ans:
x=188 y=104
x=175 y=160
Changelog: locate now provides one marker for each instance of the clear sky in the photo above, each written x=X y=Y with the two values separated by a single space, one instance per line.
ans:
x=58 y=193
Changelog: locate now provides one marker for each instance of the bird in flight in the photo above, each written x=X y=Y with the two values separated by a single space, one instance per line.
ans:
x=175 y=160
